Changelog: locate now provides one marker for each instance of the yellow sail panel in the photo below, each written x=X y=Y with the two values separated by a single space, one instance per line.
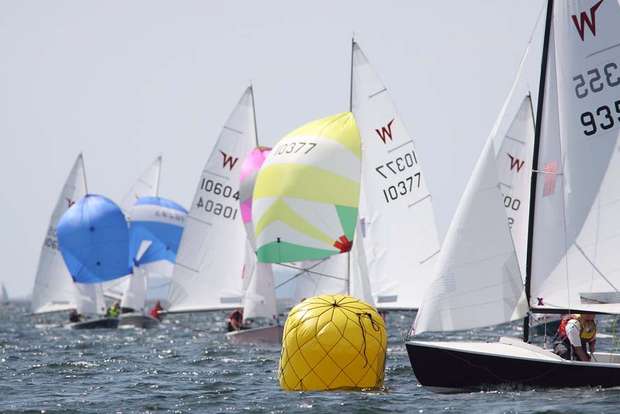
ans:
x=307 y=193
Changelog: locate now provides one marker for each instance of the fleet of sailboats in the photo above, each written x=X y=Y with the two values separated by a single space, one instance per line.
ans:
x=342 y=203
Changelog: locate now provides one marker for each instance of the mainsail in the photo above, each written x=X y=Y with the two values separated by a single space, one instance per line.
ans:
x=54 y=289
x=577 y=189
x=209 y=263
x=401 y=240
x=146 y=185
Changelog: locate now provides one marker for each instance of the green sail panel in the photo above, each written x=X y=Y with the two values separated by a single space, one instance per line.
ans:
x=306 y=197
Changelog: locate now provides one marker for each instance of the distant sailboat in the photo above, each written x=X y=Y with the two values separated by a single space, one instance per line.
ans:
x=209 y=264
x=571 y=241
x=147 y=185
x=54 y=289
x=94 y=242
x=4 y=296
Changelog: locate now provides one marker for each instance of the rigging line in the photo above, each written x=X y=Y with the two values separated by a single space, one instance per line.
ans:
x=595 y=267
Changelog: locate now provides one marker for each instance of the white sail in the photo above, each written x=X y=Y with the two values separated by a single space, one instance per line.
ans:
x=478 y=282
x=134 y=296
x=146 y=185
x=259 y=300
x=576 y=225
x=513 y=156
x=402 y=242
x=89 y=300
x=209 y=263
x=359 y=280
x=54 y=289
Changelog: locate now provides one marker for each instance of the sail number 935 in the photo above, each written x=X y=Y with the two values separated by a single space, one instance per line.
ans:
x=603 y=117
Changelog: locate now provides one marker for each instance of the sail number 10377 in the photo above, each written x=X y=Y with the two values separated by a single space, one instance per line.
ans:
x=401 y=188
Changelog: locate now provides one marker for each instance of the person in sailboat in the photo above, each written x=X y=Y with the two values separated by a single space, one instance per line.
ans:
x=74 y=316
x=114 y=310
x=156 y=310
x=576 y=337
x=235 y=320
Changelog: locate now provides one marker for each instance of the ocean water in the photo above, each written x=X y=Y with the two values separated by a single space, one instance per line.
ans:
x=187 y=365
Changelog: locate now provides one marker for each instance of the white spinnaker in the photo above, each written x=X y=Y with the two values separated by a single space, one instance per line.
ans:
x=477 y=282
x=514 y=156
x=576 y=225
x=402 y=242
x=209 y=263
x=54 y=289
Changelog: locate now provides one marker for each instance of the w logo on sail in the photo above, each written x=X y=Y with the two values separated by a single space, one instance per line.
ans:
x=385 y=132
x=228 y=160
x=515 y=163
x=586 y=20
x=69 y=202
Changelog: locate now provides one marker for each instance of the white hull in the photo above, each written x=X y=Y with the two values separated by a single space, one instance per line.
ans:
x=265 y=335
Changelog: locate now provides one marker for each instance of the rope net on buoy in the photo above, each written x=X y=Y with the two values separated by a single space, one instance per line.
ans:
x=333 y=342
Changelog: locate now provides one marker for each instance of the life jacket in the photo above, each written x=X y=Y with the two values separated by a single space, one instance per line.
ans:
x=588 y=328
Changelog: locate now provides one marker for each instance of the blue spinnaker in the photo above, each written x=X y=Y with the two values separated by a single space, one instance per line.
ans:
x=159 y=221
x=94 y=240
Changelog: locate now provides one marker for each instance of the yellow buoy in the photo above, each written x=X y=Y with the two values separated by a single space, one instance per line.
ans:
x=333 y=342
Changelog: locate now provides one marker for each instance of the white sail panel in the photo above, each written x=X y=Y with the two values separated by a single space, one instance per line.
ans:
x=259 y=300
x=146 y=185
x=134 y=296
x=54 y=289
x=513 y=156
x=478 y=282
x=577 y=228
x=359 y=280
x=401 y=237
x=209 y=264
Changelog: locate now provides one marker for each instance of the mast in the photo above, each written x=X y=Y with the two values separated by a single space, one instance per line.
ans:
x=254 y=115
x=348 y=275
x=537 y=132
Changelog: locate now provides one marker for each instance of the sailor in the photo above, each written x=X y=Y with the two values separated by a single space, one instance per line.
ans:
x=235 y=320
x=114 y=310
x=156 y=310
x=74 y=316
x=576 y=337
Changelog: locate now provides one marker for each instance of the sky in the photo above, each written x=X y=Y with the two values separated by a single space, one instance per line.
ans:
x=126 y=81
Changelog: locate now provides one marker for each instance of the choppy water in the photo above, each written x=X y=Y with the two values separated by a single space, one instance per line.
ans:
x=188 y=366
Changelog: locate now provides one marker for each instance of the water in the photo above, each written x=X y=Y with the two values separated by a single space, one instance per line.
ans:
x=188 y=366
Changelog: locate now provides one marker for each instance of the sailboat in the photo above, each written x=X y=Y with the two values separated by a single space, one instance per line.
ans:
x=396 y=211
x=147 y=185
x=4 y=296
x=155 y=228
x=208 y=271
x=54 y=290
x=94 y=241
x=571 y=239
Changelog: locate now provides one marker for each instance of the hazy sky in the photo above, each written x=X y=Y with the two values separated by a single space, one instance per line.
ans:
x=124 y=81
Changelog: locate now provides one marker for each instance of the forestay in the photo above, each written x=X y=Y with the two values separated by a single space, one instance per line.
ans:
x=306 y=196
x=209 y=263
x=54 y=289
x=478 y=282
x=576 y=232
x=401 y=239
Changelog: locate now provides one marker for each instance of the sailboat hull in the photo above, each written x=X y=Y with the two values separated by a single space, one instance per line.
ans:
x=466 y=366
x=137 y=320
x=103 y=323
x=264 y=335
